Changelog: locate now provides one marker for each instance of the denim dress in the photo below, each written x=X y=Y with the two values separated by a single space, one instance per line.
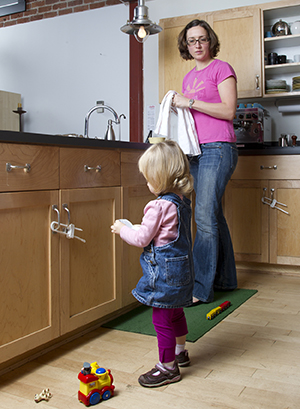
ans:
x=168 y=271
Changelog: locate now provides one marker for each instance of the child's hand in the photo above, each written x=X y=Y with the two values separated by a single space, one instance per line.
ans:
x=116 y=227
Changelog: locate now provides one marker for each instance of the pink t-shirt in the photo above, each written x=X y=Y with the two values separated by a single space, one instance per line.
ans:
x=160 y=223
x=202 y=85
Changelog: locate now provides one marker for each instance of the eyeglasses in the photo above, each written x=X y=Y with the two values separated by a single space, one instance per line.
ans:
x=200 y=40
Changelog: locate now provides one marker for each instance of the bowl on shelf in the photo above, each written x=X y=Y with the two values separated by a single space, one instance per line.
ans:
x=295 y=27
x=281 y=28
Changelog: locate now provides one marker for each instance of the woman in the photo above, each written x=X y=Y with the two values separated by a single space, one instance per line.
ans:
x=209 y=90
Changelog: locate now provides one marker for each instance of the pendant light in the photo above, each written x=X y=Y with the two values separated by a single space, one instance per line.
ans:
x=141 y=27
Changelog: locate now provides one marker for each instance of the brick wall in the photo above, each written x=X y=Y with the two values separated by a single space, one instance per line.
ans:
x=40 y=9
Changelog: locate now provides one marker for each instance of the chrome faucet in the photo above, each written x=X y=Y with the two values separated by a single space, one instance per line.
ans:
x=86 y=120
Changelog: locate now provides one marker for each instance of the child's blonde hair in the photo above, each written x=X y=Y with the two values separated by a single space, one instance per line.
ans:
x=166 y=168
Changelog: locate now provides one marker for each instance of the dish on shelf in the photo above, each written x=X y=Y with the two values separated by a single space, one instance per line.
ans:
x=275 y=90
x=296 y=83
x=275 y=84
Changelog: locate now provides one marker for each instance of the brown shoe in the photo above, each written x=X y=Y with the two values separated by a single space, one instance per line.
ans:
x=159 y=376
x=183 y=359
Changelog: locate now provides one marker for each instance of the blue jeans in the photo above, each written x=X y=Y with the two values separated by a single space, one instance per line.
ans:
x=213 y=252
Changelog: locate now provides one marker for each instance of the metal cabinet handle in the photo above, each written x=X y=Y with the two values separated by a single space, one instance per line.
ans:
x=87 y=168
x=272 y=202
x=65 y=207
x=26 y=168
x=55 y=208
x=68 y=230
x=257 y=81
x=262 y=167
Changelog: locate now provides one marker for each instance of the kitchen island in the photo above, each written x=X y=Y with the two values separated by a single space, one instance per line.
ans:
x=62 y=271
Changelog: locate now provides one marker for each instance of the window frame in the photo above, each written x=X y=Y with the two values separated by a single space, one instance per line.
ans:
x=11 y=6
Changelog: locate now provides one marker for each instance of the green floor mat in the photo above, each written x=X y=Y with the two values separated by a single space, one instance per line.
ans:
x=139 y=320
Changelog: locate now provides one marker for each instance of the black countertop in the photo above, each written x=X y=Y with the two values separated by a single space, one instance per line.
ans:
x=70 y=141
x=270 y=148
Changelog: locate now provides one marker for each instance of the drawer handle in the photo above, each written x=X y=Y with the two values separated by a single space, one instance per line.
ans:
x=26 y=168
x=87 y=168
x=268 y=167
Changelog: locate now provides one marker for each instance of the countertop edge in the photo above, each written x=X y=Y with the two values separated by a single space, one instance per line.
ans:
x=67 y=141
x=74 y=142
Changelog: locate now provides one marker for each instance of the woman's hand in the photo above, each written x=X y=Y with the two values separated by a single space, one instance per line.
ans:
x=179 y=101
x=116 y=227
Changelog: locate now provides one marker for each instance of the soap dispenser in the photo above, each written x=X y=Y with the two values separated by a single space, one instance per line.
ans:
x=110 y=134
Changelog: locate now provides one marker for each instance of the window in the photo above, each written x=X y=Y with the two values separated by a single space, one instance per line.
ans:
x=11 y=6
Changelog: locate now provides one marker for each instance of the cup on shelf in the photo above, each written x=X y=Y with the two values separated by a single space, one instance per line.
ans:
x=297 y=58
x=281 y=59
x=272 y=58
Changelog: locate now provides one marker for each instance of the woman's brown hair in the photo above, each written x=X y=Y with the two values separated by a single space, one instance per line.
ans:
x=214 y=44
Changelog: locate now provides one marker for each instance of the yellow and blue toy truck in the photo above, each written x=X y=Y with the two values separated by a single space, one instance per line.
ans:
x=96 y=384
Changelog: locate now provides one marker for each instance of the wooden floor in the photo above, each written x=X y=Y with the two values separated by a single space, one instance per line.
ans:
x=251 y=360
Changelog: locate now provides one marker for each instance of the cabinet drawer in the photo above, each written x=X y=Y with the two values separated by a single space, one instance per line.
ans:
x=37 y=167
x=89 y=168
x=130 y=175
x=268 y=167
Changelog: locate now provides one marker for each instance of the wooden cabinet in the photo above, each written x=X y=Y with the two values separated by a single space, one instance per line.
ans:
x=239 y=32
x=90 y=271
x=172 y=68
x=52 y=284
x=247 y=219
x=28 y=167
x=284 y=230
x=90 y=199
x=135 y=195
x=240 y=37
x=134 y=198
x=89 y=168
x=260 y=232
x=29 y=254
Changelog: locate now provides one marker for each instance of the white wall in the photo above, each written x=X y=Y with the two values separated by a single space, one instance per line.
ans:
x=159 y=9
x=61 y=66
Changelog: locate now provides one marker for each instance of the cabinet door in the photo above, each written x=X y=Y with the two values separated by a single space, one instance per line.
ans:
x=90 y=272
x=29 y=254
x=239 y=32
x=172 y=68
x=284 y=229
x=247 y=219
x=134 y=201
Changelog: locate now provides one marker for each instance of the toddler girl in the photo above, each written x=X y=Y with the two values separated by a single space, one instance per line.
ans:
x=167 y=263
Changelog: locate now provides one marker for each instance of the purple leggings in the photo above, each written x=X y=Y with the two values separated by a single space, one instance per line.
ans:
x=169 y=323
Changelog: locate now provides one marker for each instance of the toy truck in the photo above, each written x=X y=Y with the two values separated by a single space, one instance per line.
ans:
x=216 y=311
x=96 y=384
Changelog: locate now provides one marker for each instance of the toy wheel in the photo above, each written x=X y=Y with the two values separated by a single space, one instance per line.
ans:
x=95 y=398
x=106 y=395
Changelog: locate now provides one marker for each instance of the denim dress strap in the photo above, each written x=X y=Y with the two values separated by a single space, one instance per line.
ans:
x=168 y=272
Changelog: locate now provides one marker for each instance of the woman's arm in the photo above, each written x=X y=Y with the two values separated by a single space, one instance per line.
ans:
x=225 y=109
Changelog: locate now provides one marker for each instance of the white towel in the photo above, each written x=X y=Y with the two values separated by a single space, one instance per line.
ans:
x=187 y=135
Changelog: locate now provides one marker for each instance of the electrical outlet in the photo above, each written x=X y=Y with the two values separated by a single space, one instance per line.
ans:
x=100 y=110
